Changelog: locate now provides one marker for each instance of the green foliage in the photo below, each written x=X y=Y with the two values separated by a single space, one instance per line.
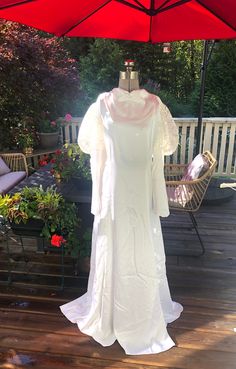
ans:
x=178 y=107
x=220 y=96
x=175 y=73
x=24 y=135
x=99 y=69
x=58 y=215
x=185 y=61
x=86 y=242
x=36 y=75
x=81 y=161
x=71 y=162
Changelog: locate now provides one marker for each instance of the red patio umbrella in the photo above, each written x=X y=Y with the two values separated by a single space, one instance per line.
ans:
x=139 y=20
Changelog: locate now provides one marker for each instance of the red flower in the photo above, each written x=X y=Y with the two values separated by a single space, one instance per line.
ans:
x=57 y=240
x=53 y=160
x=58 y=152
x=42 y=163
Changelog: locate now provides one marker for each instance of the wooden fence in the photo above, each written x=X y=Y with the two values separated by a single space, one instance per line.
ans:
x=218 y=136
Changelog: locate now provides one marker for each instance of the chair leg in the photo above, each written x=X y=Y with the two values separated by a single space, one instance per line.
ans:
x=192 y=217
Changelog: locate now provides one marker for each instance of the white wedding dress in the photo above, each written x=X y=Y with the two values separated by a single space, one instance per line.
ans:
x=128 y=298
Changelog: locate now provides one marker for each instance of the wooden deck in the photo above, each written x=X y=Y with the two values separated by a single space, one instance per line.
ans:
x=33 y=332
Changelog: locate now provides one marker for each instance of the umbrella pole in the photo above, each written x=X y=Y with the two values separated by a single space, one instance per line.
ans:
x=205 y=60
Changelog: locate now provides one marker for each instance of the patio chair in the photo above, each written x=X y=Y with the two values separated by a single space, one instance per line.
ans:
x=13 y=169
x=187 y=184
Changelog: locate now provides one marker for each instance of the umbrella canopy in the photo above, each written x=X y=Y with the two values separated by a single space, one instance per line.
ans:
x=138 y=20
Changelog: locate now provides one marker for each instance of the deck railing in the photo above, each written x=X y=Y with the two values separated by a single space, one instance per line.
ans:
x=218 y=136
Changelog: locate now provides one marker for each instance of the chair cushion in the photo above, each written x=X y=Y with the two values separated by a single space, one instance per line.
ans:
x=9 y=180
x=179 y=196
x=4 y=169
x=196 y=168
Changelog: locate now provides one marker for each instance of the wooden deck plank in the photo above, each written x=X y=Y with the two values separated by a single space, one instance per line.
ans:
x=210 y=320
x=52 y=361
x=32 y=324
x=208 y=345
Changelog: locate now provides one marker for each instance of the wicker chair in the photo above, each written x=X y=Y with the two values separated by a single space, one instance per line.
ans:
x=17 y=164
x=15 y=161
x=188 y=195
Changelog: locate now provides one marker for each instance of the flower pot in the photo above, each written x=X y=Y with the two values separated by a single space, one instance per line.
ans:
x=48 y=140
x=28 y=150
x=57 y=177
x=32 y=228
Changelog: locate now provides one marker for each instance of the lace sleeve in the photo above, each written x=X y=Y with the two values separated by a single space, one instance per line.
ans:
x=91 y=141
x=170 y=136
x=90 y=135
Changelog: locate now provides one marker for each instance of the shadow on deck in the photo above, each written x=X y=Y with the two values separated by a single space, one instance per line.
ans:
x=34 y=332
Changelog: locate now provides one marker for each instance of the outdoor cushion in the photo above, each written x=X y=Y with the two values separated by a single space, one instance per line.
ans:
x=184 y=193
x=4 y=169
x=9 y=180
x=196 y=168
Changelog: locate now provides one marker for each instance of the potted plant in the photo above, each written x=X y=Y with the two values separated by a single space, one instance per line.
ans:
x=63 y=167
x=25 y=142
x=49 y=130
x=72 y=164
x=25 y=135
x=38 y=212
x=82 y=175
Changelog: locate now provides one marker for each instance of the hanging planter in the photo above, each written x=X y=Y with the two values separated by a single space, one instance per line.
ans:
x=32 y=228
x=82 y=184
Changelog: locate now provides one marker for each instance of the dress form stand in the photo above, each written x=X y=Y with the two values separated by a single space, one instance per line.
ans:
x=129 y=80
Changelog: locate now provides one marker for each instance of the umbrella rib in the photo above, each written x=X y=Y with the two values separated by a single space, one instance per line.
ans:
x=16 y=4
x=151 y=11
x=161 y=6
x=140 y=7
x=178 y=3
x=140 y=4
x=216 y=15
x=85 y=18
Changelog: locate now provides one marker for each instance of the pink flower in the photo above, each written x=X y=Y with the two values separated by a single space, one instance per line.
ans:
x=53 y=124
x=68 y=117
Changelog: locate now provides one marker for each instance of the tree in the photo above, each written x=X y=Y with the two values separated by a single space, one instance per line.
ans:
x=172 y=75
x=220 y=95
x=36 y=75
x=99 y=69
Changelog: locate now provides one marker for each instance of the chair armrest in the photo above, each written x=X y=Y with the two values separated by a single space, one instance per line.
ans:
x=16 y=162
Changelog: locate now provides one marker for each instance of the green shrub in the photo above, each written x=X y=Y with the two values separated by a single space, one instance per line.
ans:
x=36 y=75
